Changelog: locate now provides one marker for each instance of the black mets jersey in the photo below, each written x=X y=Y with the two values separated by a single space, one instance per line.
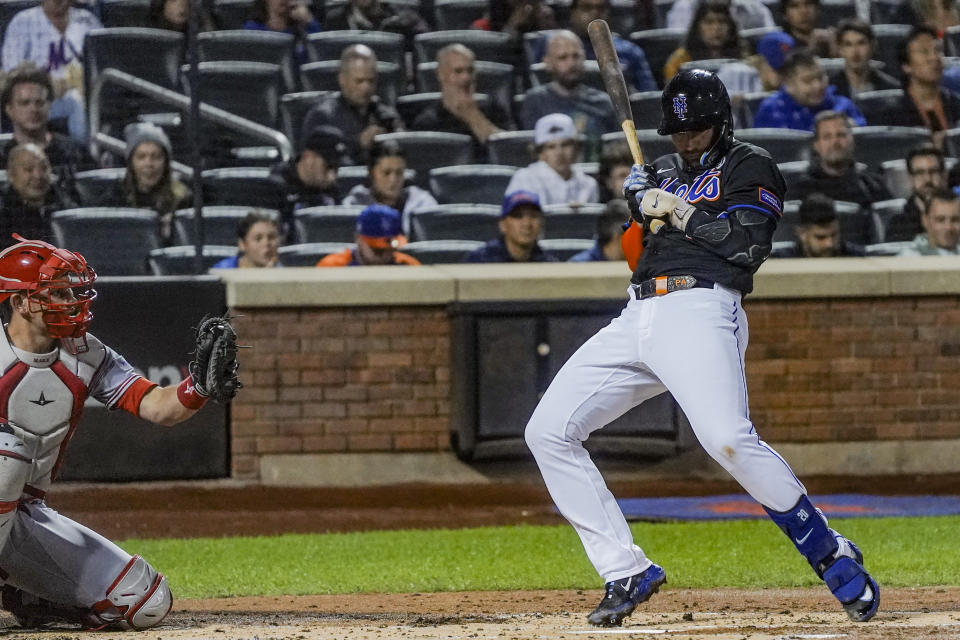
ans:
x=739 y=201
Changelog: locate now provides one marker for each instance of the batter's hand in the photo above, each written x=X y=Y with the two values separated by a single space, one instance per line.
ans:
x=642 y=177
x=666 y=207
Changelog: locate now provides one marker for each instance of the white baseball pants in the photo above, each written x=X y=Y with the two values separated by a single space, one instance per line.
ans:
x=689 y=342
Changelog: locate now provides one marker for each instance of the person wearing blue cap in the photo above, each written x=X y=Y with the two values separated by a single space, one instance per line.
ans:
x=521 y=223
x=804 y=94
x=378 y=236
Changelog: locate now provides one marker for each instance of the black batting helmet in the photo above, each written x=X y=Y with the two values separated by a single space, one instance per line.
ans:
x=695 y=100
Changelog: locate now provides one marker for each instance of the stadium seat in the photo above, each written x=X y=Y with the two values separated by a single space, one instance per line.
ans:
x=653 y=145
x=328 y=45
x=592 y=169
x=440 y=251
x=875 y=104
x=891 y=12
x=94 y=186
x=132 y=236
x=336 y=223
x=888 y=39
x=591 y=74
x=413 y=104
x=493 y=46
x=887 y=248
x=124 y=13
x=123 y=48
x=784 y=145
x=271 y=47
x=660 y=10
x=307 y=255
x=241 y=186
x=876 y=145
x=646 y=109
x=472 y=183
x=750 y=102
x=567 y=222
x=793 y=171
x=711 y=64
x=294 y=108
x=658 y=45
x=887 y=209
x=951 y=142
x=322 y=76
x=565 y=248
x=427 y=149
x=513 y=148
x=786 y=227
x=456 y=222
x=179 y=261
x=492 y=78
x=753 y=36
x=951 y=40
x=832 y=12
x=857 y=225
x=457 y=14
x=897 y=178
x=250 y=90
x=219 y=224
x=232 y=14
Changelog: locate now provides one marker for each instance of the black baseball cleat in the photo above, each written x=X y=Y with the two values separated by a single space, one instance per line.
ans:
x=623 y=596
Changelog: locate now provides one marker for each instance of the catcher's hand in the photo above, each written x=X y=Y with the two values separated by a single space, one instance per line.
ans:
x=214 y=365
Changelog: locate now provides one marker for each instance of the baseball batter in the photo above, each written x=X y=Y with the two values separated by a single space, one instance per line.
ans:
x=53 y=569
x=709 y=212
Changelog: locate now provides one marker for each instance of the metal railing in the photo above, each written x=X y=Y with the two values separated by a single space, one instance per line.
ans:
x=181 y=102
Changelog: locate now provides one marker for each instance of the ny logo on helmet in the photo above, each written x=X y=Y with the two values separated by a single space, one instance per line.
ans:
x=680 y=106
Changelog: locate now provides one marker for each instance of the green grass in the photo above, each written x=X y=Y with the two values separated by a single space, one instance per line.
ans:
x=747 y=553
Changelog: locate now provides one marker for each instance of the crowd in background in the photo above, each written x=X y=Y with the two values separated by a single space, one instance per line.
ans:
x=783 y=67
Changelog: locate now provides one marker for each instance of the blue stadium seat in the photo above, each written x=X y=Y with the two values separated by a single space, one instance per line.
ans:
x=133 y=233
x=179 y=261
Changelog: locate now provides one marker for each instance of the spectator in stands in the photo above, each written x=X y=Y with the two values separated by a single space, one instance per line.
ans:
x=938 y=14
x=149 y=182
x=258 y=238
x=30 y=196
x=521 y=223
x=636 y=71
x=755 y=73
x=804 y=94
x=355 y=110
x=285 y=16
x=51 y=36
x=615 y=164
x=385 y=186
x=591 y=109
x=818 y=234
x=378 y=237
x=748 y=14
x=610 y=227
x=25 y=99
x=516 y=17
x=174 y=15
x=373 y=15
x=928 y=174
x=712 y=34
x=554 y=177
x=855 y=44
x=799 y=19
x=310 y=179
x=924 y=103
x=941 y=227
x=833 y=170
x=458 y=110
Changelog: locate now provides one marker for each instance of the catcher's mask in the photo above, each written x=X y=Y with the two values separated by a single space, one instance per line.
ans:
x=56 y=282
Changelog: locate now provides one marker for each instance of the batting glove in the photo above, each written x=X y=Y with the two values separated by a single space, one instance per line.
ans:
x=666 y=207
x=641 y=178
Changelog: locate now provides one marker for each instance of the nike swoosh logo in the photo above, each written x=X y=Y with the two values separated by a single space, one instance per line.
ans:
x=662 y=170
x=804 y=538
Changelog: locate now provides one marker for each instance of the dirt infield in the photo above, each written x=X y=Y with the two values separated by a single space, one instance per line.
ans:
x=218 y=509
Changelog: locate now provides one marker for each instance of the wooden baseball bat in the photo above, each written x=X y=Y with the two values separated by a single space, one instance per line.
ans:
x=616 y=86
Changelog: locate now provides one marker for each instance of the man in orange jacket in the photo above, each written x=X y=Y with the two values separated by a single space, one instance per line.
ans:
x=378 y=236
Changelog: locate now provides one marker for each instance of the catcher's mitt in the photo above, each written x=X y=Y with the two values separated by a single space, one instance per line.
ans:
x=214 y=365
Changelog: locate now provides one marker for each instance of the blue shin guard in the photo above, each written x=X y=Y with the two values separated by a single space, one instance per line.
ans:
x=834 y=558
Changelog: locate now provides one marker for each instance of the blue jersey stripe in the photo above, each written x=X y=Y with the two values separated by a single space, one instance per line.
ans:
x=775 y=216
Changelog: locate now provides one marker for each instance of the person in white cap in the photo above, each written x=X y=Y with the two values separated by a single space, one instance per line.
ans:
x=554 y=177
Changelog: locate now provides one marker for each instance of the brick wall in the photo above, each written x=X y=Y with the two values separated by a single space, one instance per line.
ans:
x=848 y=370
x=357 y=379
x=339 y=380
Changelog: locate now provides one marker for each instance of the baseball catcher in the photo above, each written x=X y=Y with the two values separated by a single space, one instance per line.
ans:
x=708 y=212
x=52 y=568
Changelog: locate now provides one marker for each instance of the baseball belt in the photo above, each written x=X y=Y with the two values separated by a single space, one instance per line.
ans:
x=662 y=285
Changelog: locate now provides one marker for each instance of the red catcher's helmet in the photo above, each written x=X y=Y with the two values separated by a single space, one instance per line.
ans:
x=48 y=276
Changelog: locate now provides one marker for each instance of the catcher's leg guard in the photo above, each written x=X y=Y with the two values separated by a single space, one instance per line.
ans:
x=139 y=598
x=14 y=471
x=835 y=559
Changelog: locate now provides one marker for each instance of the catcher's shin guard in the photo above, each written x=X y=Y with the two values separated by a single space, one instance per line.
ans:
x=836 y=560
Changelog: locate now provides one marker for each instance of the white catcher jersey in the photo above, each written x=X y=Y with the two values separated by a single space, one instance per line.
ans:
x=42 y=397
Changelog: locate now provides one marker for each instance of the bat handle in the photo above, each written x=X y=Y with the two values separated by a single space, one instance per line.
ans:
x=630 y=131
